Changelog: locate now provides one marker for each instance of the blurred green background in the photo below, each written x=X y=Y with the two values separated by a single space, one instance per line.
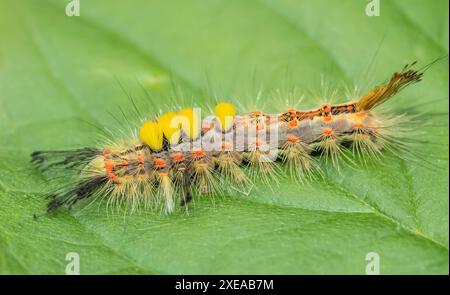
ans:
x=59 y=72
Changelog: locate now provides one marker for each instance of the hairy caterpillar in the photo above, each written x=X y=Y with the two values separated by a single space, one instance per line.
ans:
x=181 y=154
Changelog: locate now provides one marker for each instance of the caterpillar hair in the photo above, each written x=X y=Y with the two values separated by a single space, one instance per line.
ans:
x=179 y=154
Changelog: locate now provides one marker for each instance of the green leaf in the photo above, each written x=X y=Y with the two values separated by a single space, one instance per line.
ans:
x=58 y=72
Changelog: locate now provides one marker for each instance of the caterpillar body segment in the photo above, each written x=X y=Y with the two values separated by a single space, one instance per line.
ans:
x=181 y=154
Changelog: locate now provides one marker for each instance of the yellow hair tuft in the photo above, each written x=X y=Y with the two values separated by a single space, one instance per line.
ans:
x=189 y=123
x=151 y=134
x=225 y=113
x=170 y=127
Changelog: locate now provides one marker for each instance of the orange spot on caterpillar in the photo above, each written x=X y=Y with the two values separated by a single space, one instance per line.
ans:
x=293 y=123
x=327 y=131
x=198 y=153
x=106 y=152
x=206 y=127
x=226 y=146
x=361 y=115
x=327 y=119
x=159 y=163
x=326 y=109
x=258 y=142
x=178 y=157
x=292 y=138
x=357 y=125
x=140 y=157
x=114 y=177
x=109 y=166
x=292 y=113
x=260 y=126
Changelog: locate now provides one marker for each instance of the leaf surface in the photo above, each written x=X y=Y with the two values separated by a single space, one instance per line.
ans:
x=59 y=72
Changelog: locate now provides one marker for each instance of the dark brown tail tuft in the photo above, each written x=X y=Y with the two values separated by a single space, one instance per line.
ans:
x=380 y=94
